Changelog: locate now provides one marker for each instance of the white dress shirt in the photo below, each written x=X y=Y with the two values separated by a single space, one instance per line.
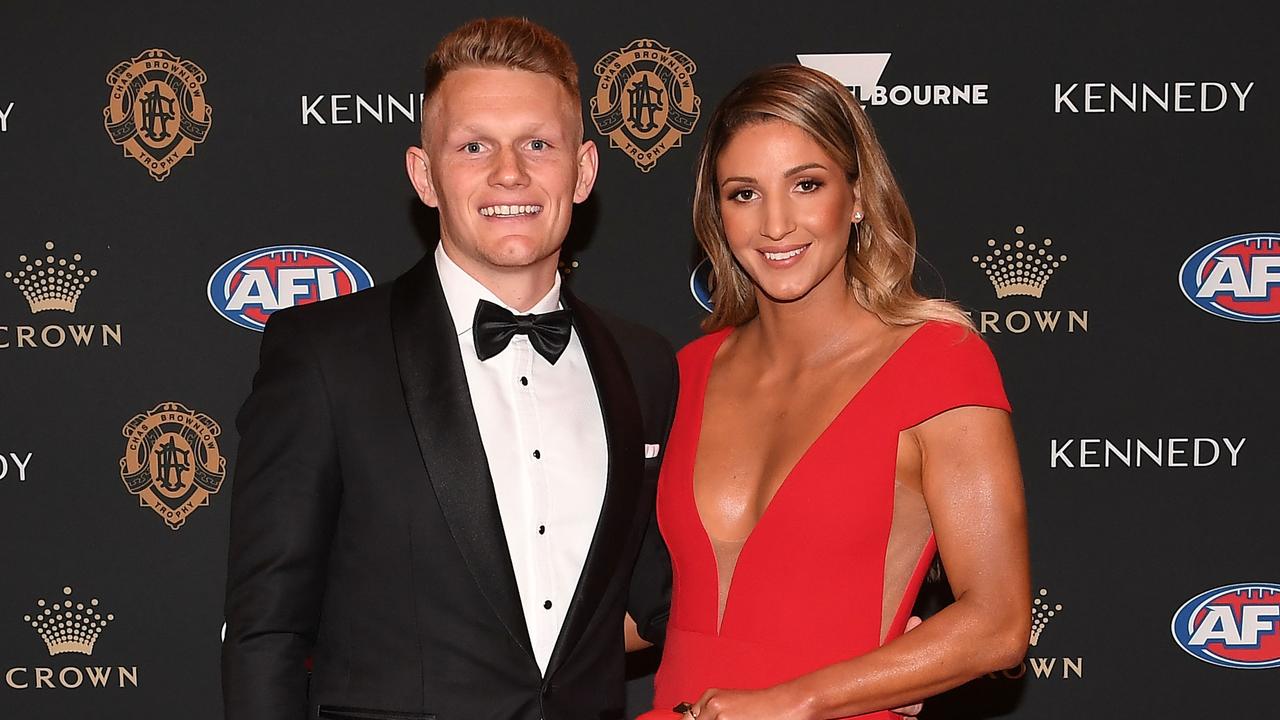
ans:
x=543 y=435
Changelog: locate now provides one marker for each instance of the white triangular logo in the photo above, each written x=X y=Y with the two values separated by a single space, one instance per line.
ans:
x=859 y=70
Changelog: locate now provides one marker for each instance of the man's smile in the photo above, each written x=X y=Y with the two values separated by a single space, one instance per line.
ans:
x=510 y=210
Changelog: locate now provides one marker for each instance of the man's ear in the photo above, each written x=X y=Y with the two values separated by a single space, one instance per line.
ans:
x=418 y=166
x=588 y=165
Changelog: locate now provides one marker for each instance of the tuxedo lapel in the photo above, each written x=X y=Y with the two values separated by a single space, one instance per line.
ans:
x=439 y=404
x=624 y=440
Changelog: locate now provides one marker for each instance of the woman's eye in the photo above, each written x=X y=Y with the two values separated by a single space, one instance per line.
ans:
x=472 y=147
x=743 y=195
x=808 y=186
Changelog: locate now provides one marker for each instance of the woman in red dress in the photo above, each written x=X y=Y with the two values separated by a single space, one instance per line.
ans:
x=833 y=430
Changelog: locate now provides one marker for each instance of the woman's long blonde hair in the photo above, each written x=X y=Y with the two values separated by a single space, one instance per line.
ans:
x=882 y=250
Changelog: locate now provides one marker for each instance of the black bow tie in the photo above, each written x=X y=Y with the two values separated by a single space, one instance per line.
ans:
x=494 y=326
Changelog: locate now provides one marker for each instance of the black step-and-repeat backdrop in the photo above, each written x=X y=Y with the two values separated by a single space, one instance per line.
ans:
x=1096 y=182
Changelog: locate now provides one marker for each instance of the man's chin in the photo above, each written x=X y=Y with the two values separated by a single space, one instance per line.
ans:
x=502 y=250
x=514 y=253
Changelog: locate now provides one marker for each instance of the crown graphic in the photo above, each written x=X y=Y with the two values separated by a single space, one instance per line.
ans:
x=68 y=626
x=1019 y=267
x=1041 y=613
x=51 y=283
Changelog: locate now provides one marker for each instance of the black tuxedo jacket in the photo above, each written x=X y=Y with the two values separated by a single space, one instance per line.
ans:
x=365 y=531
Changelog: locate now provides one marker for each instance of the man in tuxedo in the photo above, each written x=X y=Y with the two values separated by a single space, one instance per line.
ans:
x=444 y=490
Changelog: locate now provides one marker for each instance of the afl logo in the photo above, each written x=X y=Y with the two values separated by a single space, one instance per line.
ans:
x=1235 y=626
x=700 y=284
x=249 y=287
x=1236 y=277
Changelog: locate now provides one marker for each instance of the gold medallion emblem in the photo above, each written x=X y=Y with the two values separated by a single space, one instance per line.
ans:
x=645 y=101
x=171 y=461
x=157 y=109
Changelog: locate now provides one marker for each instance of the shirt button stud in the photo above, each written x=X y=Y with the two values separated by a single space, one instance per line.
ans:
x=524 y=380
x=547 y=604
x=542 y=529
x=537 y=454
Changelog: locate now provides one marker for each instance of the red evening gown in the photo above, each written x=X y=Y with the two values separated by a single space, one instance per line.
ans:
x=809 y=586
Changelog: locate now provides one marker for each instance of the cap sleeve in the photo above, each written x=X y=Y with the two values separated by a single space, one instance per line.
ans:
x=952 y=367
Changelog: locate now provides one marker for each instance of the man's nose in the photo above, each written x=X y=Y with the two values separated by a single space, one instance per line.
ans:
x=509 y=169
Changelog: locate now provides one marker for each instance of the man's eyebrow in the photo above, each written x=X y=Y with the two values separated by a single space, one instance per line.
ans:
x=533 y=128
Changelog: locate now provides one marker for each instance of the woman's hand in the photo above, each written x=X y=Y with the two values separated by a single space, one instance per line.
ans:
x=775 y=703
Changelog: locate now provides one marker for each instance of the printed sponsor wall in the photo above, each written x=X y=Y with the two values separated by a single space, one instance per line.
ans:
x=1095 y=184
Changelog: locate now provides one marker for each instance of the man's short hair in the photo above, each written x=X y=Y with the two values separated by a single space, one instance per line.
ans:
x=505 y=42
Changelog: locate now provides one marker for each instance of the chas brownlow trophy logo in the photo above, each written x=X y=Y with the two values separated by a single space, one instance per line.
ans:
x=157 y=109
x=171 y=461
x=644 y=101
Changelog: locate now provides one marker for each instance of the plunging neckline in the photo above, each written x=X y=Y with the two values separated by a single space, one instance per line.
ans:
x=701 y=408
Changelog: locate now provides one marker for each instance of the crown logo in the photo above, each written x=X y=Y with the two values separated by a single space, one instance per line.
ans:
x=68 y=626
x=51 y=283
x=1041 y=613
x=1019 y=267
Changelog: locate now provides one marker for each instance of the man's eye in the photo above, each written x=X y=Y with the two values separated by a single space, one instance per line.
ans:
x=472 y=147
x=538 y=145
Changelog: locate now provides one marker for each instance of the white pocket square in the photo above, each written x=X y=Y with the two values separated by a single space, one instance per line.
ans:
x=651 y=451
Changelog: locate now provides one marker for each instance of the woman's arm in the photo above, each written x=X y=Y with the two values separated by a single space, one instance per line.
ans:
x=631 y=639
x=971 y=482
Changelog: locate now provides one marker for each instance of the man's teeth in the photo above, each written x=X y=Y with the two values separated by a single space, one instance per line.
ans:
x=510 y=210
x=785 y=255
